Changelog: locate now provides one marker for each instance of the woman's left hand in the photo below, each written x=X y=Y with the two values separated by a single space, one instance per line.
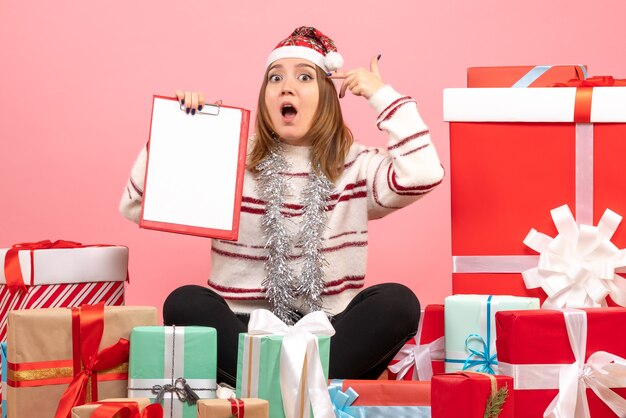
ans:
x=360 y=81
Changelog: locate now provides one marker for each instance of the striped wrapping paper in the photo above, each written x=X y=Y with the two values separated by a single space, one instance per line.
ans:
x=65 y=277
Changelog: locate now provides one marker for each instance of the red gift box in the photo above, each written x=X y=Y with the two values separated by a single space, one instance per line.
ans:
x=537 y=349
x=466 y=394
x=380 y=398
x=427 y=355
x=524 y=75
x=515 y=155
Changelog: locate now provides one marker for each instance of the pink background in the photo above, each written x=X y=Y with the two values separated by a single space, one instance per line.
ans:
x=77 y=79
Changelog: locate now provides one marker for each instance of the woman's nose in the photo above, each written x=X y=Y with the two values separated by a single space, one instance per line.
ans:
x=287 y=87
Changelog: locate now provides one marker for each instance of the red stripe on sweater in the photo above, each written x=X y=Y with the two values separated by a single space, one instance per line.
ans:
x=347 y=280
x=344 y=198
x=137 y=189
x=375 y=190
x=394 y=103
x=393 y=111
x=414 y=150
x=343 y=288
x=408 y=139
x=393 y=185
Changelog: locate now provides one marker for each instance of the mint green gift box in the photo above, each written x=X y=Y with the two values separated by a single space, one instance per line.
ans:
x=258 y=368
x=470 y=329
x=164 y=359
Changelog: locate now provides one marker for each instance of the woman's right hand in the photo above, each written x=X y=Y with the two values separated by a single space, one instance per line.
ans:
x=192 y=100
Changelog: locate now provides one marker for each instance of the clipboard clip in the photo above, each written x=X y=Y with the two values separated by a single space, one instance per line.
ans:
x=211 y=109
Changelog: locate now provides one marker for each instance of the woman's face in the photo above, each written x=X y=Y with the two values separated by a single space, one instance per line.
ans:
x=291 y=98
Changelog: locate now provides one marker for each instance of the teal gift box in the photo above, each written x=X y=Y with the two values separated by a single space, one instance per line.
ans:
x=470 y=329
x=171 y=364
x=259 y=367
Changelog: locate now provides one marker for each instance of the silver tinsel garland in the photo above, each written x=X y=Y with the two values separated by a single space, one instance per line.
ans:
x=281 y=286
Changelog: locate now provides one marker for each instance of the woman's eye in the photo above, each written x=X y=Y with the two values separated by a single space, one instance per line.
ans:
x=305 y=77
x=274 y=77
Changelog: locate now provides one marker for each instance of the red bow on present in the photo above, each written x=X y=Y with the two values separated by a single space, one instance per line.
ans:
x=12 y=268
x=127 y=410
x=598 y=81
x=584 y=94
x=87 y=330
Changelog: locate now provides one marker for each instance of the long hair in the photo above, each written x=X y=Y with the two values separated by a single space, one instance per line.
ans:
x=329 y=136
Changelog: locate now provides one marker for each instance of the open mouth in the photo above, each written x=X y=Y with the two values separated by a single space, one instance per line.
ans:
x=288 y=111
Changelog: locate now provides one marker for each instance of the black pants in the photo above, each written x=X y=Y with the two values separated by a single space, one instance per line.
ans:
x=369 y=332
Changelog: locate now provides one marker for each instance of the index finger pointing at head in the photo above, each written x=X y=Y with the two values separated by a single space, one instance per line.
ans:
x=374 y=65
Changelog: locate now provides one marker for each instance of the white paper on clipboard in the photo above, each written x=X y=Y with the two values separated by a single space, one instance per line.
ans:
x=195 y=169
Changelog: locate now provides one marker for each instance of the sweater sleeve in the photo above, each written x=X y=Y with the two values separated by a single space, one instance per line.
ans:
x=410 y=166
x=132 y=197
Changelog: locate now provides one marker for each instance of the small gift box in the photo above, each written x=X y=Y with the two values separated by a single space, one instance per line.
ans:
x=422 y=355
x=471 y=329
x=61 y=358
x=119 y=408
x=473 y=395
x=566 y=363
x=524 y=75
x=233 y=408
x=174 y=366
x=380 y=398
x=60 y=274
x=286 y=365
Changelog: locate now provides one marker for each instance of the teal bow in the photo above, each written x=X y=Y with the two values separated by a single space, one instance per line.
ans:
x=483 y=358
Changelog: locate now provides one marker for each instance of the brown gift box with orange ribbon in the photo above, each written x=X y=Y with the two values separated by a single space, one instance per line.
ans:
x=87 y=411
x=61 y=357
x=237 y=408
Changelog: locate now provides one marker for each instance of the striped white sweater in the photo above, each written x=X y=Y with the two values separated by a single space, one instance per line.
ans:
x=374 y=183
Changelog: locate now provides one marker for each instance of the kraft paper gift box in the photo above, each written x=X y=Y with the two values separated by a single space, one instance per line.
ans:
x=515 y=155
x=468 y=395
x=524 y=75
x=54 y=353
x=470 y=330
x=286 y=365
x=60 y=274
x=181 y=358
x=112 y=406
x=380 y=398
x=582 y=349
x=423 y=354
x=233 y=408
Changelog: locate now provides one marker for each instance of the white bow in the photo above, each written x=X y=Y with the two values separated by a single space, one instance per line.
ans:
x=601 y=372
x=419 y=355
x=577 y=268
x=302 y=381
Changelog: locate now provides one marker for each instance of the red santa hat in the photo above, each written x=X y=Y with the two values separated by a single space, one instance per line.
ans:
x=308 y=43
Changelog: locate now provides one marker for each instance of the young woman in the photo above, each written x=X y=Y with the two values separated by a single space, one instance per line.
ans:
x=308 y=194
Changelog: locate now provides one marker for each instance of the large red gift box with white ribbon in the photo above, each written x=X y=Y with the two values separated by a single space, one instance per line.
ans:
x=423 y=354
x=572 y=361
x=60 y=274
x=516 y=154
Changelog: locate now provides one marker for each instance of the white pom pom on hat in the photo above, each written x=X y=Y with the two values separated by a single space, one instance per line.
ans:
x=308 y=43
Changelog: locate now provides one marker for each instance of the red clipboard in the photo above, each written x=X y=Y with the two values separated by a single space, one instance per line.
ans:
x=195 y=169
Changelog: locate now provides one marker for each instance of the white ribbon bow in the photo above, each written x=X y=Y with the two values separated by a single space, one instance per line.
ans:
x=419 y=355
x=302 y=381
x=577 y=268
x=601 y=372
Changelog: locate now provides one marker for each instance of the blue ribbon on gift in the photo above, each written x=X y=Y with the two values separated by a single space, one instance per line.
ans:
x=537 y=72
x=342 y=401
x=484 y=359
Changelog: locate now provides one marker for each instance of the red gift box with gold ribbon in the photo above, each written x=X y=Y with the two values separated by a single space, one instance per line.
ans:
x=61 y=358
x=423 y=354
x=518 y=153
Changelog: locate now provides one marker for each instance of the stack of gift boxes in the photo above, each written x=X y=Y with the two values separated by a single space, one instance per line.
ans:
x=530 y=331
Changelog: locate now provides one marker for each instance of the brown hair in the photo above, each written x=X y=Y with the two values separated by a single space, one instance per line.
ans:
x=329 y=136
